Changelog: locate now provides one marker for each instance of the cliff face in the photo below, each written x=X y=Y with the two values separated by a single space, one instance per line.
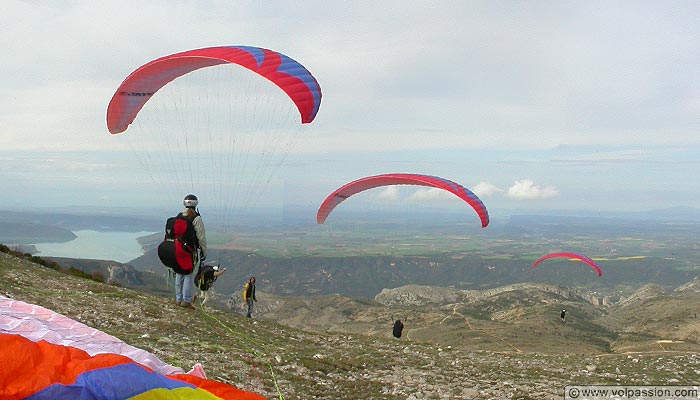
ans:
x=415 y=295
x=692 y=287
x=642 y=294
x=123 y=274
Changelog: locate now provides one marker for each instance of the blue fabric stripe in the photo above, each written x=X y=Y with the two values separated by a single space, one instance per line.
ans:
x=292 y=68
x=457 y=187
x=115 y=383
x=256 y=52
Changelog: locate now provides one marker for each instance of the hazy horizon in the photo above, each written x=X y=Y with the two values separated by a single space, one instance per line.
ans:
x=537 y=106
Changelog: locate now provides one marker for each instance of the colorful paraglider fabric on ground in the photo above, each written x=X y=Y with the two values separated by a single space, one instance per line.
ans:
x=46 y=355
x=585 y=259
x=371 y=182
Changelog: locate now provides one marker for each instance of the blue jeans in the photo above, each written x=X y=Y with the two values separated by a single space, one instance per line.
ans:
x=250 y=307
x=183 y=287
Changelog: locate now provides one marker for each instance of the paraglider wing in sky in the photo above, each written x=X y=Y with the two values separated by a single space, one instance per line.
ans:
x=342 y=193
x=295 y=80
x=580 y=257
x=49 y=356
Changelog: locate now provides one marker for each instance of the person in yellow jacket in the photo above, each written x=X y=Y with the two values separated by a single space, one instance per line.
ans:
x=249 y=295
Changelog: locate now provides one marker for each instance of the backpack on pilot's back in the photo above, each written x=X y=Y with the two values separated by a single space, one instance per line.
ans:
x=177 y=248
x=180 y=227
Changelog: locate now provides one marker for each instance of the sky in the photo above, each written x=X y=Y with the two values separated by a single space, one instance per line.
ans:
x=540 y=105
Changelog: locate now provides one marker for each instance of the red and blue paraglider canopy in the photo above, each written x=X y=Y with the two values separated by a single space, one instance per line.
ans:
x=371 y=182
x=290 y=76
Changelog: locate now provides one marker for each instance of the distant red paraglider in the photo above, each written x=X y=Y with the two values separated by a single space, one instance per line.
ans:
x=371 y=182
x=580 y=257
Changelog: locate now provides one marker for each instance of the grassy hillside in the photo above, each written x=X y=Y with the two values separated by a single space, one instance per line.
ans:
x=247 y=352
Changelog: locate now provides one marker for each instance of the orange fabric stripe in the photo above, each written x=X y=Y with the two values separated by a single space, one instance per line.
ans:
x=27 y=367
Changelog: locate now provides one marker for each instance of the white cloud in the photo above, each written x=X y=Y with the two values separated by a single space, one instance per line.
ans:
x=526 y=189
x=390 y=193
x=485 y=189
x=430 y=195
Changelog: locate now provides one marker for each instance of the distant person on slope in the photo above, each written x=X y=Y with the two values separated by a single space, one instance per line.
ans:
x=398 y=329
x=563 y=316
x=249 y=295
x=185 y=283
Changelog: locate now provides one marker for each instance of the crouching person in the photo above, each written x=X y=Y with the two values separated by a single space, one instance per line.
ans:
x=205 y=277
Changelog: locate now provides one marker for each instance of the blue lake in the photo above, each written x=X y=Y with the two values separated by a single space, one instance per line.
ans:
x=115 y=246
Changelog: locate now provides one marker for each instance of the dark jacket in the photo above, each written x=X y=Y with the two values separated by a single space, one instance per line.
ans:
x=250 y=291
x=398 y=328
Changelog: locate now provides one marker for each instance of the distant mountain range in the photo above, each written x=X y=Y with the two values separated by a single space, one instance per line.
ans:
x=28 y=232
x=367 y=276
x=502 y=256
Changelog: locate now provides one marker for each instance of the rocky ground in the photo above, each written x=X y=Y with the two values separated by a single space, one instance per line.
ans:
x=281 y=362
